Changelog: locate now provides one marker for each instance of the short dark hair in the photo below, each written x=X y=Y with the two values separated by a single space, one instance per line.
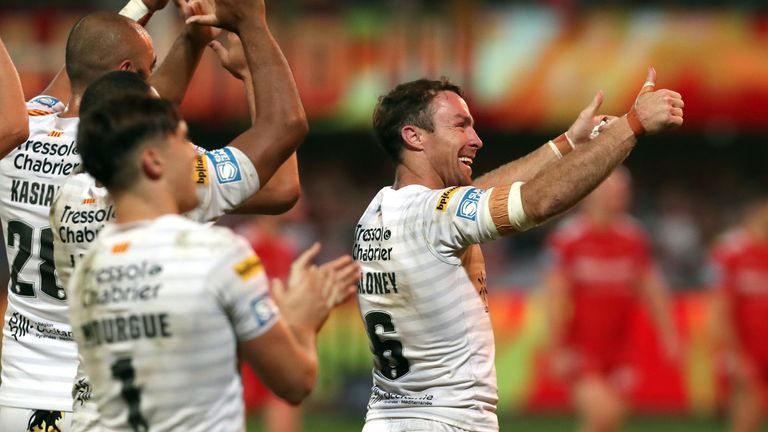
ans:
x=108 y=138
x=113 y=85
x=407 y=104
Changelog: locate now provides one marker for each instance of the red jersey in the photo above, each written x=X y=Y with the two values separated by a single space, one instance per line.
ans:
x=601 y=266
x=741 y=271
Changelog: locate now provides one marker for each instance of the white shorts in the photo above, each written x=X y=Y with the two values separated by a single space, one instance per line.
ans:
x=408 y=425
x=29 y=420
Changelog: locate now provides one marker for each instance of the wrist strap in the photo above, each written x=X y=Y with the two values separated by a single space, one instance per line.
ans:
x=135 y=10
x=561 y=146
x=634 y=123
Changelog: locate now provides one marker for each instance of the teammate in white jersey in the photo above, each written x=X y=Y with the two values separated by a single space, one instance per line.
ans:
x=225 y=178
x=39 y=355
x=161 y=306
x=422 y=294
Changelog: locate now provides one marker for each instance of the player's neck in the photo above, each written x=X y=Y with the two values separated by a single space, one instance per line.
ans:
x=406 y=175
x=73 y=107
x=134 y=206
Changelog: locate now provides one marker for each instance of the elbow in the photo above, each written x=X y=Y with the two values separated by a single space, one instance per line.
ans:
x=302 y=388
x=17 y=133
x=297 y=128
x=283 y=201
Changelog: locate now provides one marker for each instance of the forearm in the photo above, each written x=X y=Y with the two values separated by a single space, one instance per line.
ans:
x=172 y=77
x=522 y=169
x=14 y=124
x=280 y=193
x=279 y=123
x=567 y=181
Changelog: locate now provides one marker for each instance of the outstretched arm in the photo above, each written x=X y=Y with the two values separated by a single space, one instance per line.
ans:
x=282 y=192
x=558 y=188
x=14 y=125
x=280 y=123
x=525 y=168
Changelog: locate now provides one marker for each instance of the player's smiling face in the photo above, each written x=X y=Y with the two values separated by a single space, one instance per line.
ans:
x=452 y=147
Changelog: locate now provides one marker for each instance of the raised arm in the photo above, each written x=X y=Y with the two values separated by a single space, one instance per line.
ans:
x=172 y=77
x=525 y=168
x=567 y=181
x=14 y=125
x=282 y=192
x=280 y=123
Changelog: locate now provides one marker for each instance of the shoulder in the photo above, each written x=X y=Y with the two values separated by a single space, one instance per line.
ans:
x=43 y=106
x=187 y=233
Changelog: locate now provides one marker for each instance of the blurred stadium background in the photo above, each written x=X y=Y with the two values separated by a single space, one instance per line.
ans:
x=528 y=68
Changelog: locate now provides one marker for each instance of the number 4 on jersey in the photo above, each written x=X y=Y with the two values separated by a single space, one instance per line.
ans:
x=389 y=353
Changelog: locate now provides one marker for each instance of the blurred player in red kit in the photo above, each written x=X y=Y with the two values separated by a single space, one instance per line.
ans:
x=740 y=263
x=602 y=267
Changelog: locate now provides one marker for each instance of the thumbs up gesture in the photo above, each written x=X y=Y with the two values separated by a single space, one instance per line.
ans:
x=655 y=110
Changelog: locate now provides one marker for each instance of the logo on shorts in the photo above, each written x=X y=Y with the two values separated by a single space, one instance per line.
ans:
x=262 y=310
x=19 y=325
x=468 y=205
x=226 y=166
x=82 y=391
x=44 y=421
x=445 y=198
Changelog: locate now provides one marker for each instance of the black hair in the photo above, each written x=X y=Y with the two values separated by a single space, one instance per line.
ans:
x=108 y=138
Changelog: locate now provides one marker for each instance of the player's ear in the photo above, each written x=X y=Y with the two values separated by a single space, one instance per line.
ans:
x=126 y=65
x=152 y=163
x=412 y=137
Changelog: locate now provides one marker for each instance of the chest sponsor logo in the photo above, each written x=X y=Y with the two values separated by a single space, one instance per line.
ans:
x=21 y=326
x=445 y=198
x=50 y=158
x=468 y=205
x=226 y=166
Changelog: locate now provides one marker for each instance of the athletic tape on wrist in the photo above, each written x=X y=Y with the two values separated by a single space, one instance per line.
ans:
x=135 y=10
x=634 y=122
x=561 y=145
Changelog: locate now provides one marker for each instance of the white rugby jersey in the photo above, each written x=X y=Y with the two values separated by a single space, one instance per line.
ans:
x=157 y=308
x=225 y=179
x=38 y=354
x=422 y=298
